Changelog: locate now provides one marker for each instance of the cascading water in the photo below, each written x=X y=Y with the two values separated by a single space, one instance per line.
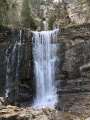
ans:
x=44 y=52
x=13 y=59
x=45 y=25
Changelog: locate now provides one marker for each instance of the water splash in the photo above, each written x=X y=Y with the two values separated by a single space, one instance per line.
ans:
x=44 y=52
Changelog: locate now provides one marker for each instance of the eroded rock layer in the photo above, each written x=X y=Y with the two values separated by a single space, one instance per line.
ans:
x=73 y=83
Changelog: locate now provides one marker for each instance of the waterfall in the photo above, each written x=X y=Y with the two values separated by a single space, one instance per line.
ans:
x=13 y=59
x=45 y=25
x=44 y=52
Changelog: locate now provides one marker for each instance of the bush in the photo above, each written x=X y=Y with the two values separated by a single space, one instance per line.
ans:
x=51 y=21
x=27 y=19
x=6 y=8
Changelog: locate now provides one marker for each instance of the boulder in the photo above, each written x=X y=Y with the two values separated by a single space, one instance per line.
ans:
x=16 y=113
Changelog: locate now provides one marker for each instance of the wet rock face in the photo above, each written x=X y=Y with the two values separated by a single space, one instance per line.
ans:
x=8 y=37
x=26 y=83
x=73 y=52
x=5 y=34
x=74 y=96
x=5 y=39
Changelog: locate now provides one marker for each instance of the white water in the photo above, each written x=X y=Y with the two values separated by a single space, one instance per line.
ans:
x=45 y=25
x=44 y=52
x=13 y=58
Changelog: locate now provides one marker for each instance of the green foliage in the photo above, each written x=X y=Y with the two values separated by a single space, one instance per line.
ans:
x=36 y=5
x=26 y=13
x=51 y=21
x=3 y=10
x=33 y=3
x=60 y=13
x=27 y=19
x=41 y=2
x=6 y=7
x=63 y=14
x=41 y=25
x=49 y=1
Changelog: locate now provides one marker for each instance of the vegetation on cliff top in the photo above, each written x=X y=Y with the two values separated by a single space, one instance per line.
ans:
x=27 y=19
x=6 y=8
x=51 y=21
x=29 y=13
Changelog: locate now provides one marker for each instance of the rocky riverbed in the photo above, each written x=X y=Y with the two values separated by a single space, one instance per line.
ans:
x=18 y=113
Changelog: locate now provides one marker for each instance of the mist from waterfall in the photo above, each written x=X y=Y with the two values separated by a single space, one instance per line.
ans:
x=44 y=52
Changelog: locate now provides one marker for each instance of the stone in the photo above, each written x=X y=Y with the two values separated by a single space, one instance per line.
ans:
x=1 y=102
x=26 y=76
x=74 y=90
x=74 y=49
x=78 y=11
x=17 y=113
x=2 y=99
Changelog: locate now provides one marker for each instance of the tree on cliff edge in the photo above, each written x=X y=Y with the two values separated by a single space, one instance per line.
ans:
x=27 y=19
x=51 y=21
x=6 y=7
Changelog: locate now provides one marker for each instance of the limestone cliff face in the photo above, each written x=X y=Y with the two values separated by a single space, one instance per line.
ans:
x=78 y=10
x=75 y=47
x=74 y=75
x=7 y=39
x=73 y=69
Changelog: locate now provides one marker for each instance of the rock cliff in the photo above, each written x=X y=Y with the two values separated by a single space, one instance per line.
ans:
x=8 y=37
x=74 y=48
x=72 y=75
x=73 y=79
x=78 y=10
